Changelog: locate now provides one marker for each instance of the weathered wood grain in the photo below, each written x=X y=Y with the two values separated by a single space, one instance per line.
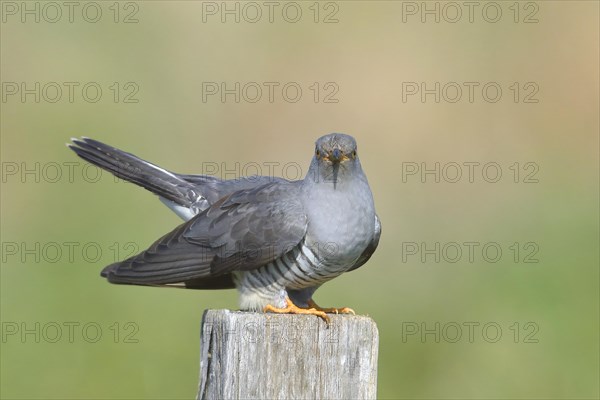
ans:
x=248 y=355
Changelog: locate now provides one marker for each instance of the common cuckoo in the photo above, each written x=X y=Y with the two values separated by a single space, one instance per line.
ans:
x=273 y=239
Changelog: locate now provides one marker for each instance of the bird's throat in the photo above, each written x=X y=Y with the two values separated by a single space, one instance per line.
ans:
x=336 y=168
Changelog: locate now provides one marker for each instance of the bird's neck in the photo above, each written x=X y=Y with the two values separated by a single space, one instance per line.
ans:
x=346 y=179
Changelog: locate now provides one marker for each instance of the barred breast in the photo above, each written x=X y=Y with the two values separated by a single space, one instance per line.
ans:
x=300 y=268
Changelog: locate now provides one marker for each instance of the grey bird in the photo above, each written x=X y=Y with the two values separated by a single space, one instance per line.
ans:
x=275 y=240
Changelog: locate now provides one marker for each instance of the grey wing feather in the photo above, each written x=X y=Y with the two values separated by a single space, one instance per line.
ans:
x=242 y=231
x=364 y=257
x=214 y=188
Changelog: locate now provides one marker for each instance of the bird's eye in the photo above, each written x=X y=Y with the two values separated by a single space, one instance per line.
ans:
x=353 y=153
x=317 y=153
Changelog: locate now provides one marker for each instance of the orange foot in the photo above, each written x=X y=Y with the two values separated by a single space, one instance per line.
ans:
x=291 y=308
x=344 y=310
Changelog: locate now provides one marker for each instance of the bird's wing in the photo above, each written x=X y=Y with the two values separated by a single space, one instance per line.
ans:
x=242 y=231
x=214 y=188
x=364 y=257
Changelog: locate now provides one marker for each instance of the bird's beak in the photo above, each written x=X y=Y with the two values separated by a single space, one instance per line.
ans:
x=336 y=156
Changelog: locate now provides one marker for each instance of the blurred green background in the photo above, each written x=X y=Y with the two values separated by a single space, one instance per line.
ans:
x=367 y=54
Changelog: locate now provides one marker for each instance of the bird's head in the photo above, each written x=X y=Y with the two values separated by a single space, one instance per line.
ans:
x=335 y=159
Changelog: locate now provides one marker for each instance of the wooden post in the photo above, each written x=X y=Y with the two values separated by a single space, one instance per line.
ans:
x=247 y=355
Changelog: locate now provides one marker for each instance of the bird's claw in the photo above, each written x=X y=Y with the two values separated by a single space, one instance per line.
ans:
x=291 y=308
x=331 y=310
